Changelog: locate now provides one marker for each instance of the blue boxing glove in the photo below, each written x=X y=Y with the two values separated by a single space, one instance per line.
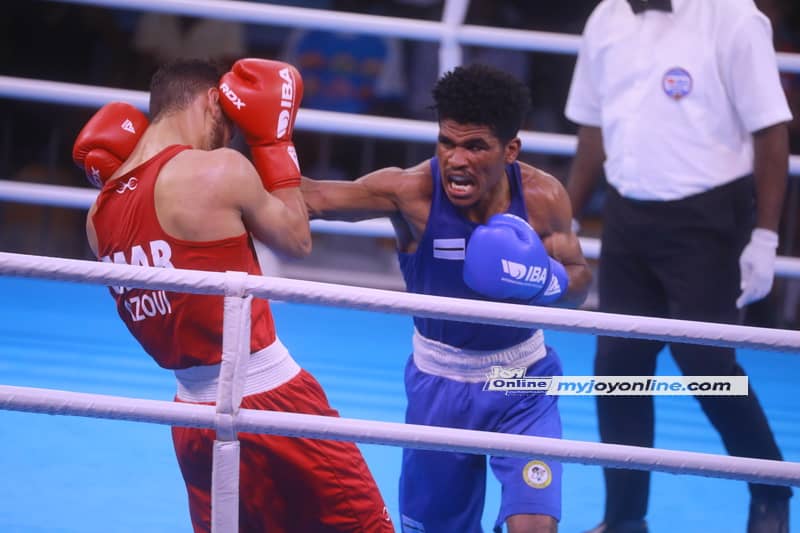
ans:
x=505 y=258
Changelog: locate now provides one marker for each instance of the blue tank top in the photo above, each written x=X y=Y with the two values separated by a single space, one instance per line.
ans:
x=437 y=266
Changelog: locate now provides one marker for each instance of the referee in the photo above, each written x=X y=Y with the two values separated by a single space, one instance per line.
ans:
x=681 y=103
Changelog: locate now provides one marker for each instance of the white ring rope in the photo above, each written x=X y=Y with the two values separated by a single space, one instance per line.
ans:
x=82 y=198
x=55 y=402
x=298 y=17
x=44 y=194
x=307 y=119
x=398 y=302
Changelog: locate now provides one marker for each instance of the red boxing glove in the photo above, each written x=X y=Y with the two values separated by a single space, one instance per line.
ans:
x=107 y=140
x=262 y=98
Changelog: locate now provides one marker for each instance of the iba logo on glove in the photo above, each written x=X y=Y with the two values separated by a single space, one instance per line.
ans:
x=287 y=100
x=520 y=273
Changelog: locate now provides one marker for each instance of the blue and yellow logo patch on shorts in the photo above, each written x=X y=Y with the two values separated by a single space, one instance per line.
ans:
x=537 y=474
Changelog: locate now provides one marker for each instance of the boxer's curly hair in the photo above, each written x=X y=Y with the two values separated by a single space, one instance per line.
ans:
x=480 y=94
x=176 y=84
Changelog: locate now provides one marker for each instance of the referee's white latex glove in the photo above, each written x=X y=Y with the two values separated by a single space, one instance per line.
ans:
x=757 y=264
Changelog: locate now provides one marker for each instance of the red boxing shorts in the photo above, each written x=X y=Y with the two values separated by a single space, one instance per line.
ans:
x=287 y=484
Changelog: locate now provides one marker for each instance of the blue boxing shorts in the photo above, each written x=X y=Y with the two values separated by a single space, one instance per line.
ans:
x=445 y=491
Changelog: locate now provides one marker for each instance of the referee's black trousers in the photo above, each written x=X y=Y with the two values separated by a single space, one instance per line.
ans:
x=676 y=259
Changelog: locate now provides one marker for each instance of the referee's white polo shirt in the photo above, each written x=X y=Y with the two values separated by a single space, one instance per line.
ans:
x=677 y=94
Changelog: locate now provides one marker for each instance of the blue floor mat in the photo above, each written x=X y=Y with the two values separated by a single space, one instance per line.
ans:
x=85 y=475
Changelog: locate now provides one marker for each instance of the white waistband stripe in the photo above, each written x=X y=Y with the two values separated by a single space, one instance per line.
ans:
x=267 y=369
x=440 y=359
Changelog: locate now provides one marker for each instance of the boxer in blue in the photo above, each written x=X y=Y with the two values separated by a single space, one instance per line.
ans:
x=473 y=222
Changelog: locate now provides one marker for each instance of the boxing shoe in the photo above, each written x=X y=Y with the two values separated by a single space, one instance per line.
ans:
x=626 y=526
x=768 y=516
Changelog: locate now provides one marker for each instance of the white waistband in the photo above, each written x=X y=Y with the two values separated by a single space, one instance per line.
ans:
x=473 y=366
x=267 y=369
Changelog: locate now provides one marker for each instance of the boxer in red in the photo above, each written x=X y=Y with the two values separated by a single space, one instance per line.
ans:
x=183 y=200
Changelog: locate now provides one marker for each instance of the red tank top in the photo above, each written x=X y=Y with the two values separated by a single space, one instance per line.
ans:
x=178 y=330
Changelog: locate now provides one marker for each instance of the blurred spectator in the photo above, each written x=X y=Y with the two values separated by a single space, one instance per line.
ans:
x=161 y=37
x=349 y=73
x=269 y=41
